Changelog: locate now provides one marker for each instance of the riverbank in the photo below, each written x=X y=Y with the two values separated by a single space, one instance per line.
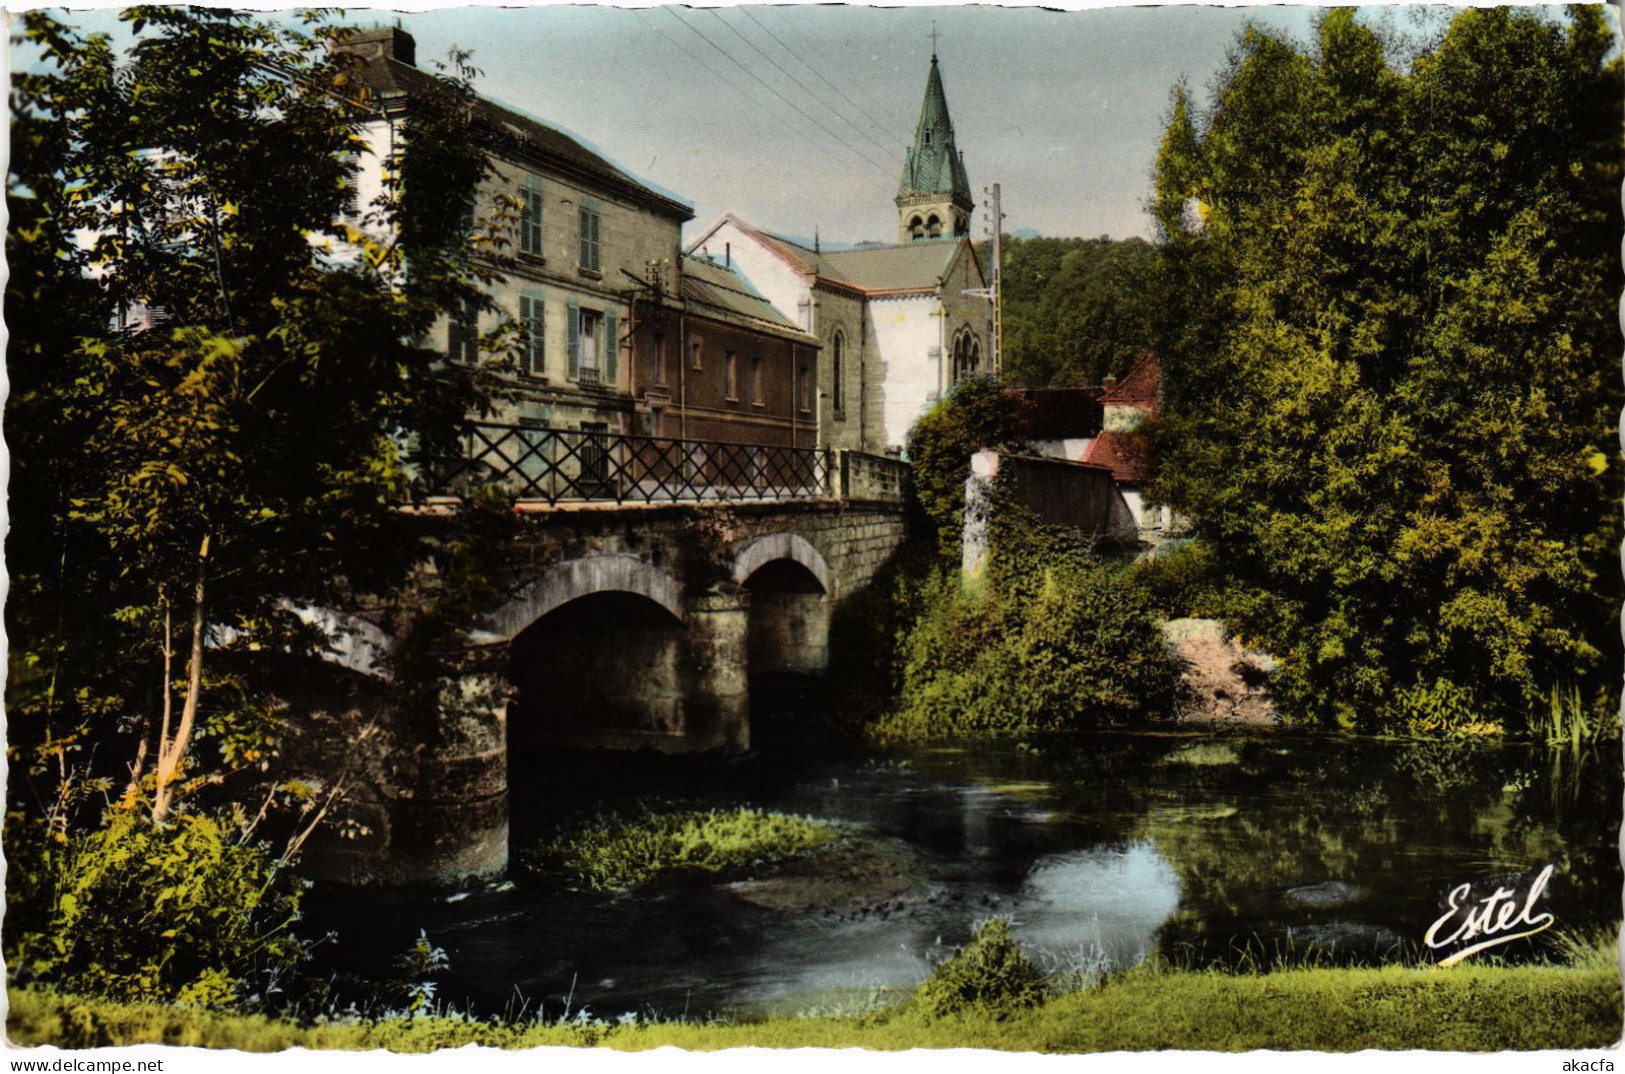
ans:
x=1466 y=1008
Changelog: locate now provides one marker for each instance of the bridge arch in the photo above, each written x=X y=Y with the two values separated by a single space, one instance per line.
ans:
x=606 y=572
x=599 y=656
x=758 y=552
x=790 y=592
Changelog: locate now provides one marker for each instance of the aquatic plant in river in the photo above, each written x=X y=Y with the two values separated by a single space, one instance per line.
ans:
x=612 y=853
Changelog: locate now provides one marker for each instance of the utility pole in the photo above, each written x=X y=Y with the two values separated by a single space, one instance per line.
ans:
x=992 y=292
x=998 y=303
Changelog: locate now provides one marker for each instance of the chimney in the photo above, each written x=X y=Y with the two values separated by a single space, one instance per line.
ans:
x=1110 y=382
x=380 y=43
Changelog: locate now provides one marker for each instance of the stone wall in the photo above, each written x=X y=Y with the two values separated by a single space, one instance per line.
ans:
x=1070 y=495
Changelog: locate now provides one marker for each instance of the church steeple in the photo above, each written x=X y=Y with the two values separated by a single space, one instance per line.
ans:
x=933 y=198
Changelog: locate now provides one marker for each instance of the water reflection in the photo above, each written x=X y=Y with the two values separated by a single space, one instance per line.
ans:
x=1100 y=848
x=1095 y=909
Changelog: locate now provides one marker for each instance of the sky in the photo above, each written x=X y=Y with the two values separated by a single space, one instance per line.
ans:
x=797 y=117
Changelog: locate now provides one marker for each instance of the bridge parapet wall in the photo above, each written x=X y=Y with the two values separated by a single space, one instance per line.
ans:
x=869 y=478
x=697 y=543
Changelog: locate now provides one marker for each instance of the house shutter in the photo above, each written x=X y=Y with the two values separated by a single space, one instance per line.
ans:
x=524 y=333
x=573 y=323
x=530 y=240
x=532 y=325
x=589 y=233
x=612 y=344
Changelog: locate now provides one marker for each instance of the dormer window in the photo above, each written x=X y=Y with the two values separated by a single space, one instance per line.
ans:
x=928 y=136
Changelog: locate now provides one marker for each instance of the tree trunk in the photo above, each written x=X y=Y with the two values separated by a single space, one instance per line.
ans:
x=172 y=751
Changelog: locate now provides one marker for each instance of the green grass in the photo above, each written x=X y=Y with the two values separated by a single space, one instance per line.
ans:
x=1466 y=1008
x=613 y=853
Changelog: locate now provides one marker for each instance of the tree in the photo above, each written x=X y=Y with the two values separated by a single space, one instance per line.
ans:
x=211 y=421
x=1389 y=394
x=1075 y=310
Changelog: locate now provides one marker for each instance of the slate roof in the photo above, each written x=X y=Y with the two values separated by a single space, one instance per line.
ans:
x=1139 y=385
x=910 y=267
x=1124 y=453
x=716 y=291
x=933 y=165
x=519 y=134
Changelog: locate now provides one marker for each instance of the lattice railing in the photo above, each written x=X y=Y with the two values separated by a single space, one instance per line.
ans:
x=563 y=465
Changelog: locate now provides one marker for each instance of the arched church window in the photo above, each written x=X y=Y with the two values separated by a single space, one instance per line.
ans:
x=933 y=226
x=916 y=227
x=837 y=371
x=967 y=355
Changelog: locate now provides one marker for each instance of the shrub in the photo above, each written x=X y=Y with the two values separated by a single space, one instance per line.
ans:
x=184 y=912
x=988 y=976
x=1059 y=647
x=976 y=414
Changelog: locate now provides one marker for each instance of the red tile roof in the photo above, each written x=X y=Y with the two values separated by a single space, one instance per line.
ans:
x=1138 y=388
x=1124 y=453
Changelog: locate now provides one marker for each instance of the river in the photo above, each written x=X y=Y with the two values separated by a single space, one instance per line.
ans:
x=1239 y=848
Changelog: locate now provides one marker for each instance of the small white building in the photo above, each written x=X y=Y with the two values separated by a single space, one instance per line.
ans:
x=1122 y=443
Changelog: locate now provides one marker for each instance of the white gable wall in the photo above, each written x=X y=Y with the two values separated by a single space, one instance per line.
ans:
x=788 y=290
x=908 y=335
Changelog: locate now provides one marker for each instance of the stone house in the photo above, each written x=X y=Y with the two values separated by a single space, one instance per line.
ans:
x=596 y=283
x=721 y=363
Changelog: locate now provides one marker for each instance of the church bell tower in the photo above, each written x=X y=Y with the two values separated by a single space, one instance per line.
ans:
x=933 y=198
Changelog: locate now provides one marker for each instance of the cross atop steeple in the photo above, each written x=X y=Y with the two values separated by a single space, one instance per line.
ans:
x=933 y=40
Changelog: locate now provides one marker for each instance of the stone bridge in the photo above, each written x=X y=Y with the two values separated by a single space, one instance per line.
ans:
x=617 y=626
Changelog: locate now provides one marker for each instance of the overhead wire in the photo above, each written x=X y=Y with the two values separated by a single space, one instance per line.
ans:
x=836 y=112
x=879 y=126
x=713 y=71
x=769 y=87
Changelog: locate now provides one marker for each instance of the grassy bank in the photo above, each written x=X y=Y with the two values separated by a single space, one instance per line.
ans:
x=1467 y=1008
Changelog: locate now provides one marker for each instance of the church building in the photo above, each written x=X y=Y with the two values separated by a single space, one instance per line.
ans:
x=898 y=324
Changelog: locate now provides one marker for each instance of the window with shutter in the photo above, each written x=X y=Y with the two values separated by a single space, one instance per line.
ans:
x=462 y=337
x=610 y=347
x=532 y=328
x=730 y=377
x=530 y=218
x=589 y=235
x=572 y=323
x=589 y=346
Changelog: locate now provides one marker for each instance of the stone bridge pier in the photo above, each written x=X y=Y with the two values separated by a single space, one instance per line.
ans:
x=624 y=628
